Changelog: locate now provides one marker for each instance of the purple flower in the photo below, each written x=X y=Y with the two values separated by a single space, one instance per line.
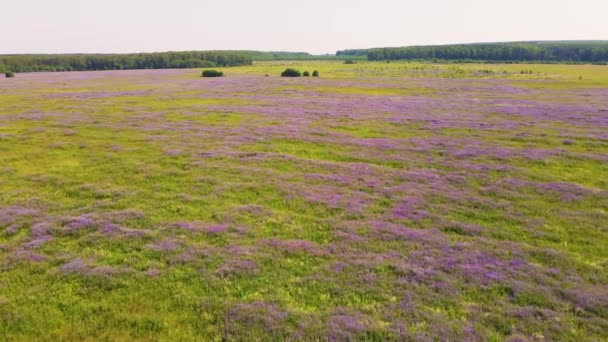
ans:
x=152 y=272
x=242 y=319
x=345 y=326
x=215 y=228
x=80 y=222
x=235 y=267
x=74 y=266
x=166 y=245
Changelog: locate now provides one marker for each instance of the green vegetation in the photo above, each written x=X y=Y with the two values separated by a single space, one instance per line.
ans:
x=383 y=202
x=291 y=72
x=547 y=52
x=212 y=73
x=280 y=56
x=9 y=74
x=160 y=60
x=566 y=51
x=306 y=74
x=315 y=73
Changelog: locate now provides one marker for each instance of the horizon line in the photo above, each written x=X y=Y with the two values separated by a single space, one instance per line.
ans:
x=309 y=53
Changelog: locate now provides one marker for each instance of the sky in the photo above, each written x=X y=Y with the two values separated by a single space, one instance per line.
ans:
x=315 y=26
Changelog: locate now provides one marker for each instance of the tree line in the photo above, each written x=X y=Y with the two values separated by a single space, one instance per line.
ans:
x=157 y=60
x=581 y=51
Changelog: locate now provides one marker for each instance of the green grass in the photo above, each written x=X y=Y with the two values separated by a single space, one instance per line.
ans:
x=261 y=208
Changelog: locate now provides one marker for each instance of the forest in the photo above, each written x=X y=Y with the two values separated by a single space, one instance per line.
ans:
x=157 y=60
x=560 y=51
x=544 y=52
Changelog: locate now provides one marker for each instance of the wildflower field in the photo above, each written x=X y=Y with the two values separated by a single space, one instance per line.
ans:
x=379 y=201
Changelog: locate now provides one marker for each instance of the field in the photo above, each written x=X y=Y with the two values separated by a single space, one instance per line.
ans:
x=380 y=201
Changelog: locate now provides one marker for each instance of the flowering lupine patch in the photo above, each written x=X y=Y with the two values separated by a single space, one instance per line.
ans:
x=380 y=201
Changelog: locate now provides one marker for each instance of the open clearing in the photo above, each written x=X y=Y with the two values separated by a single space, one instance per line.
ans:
x=379 y=201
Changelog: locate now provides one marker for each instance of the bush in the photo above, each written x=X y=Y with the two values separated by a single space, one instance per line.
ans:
x=289 y=72
x=350 y=61
x=315 y=73
x=306 y=74
x=212 y=73
x=9 y=74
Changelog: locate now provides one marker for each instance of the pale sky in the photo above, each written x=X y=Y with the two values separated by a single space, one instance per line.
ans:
x=316 y=26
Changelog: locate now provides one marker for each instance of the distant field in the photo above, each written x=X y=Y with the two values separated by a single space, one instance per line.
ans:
x=381 y=201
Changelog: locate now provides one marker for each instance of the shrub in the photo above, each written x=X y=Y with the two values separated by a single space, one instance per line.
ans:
x=305 y=74
x=289 y=72
x=350 y=61
x=212 y=73
x=9 y=74
x=315 y=73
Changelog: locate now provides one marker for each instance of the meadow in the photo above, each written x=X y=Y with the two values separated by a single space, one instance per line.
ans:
x=380 y=201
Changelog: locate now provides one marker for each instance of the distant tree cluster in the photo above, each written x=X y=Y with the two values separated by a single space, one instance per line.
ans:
x=589 y=52
x=290 y=72
x=279 y=56
x=295 y=56
x=350 y=61
x=212 y=73
x=356 y=52
x=160 y=60
x=9 y=74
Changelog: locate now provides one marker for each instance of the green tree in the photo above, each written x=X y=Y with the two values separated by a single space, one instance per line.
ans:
x=212 y=73
x=290 y=72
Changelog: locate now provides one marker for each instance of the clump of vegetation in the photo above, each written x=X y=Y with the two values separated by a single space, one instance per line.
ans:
x=9 y=74
x=290 y=72
x=315 y=73
x=305 y=74
x=350 y=61
x=212 y=73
